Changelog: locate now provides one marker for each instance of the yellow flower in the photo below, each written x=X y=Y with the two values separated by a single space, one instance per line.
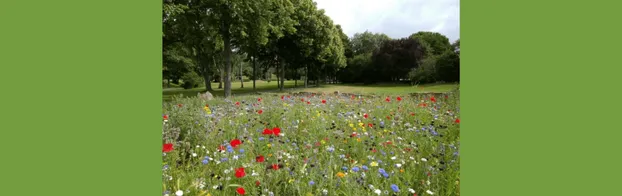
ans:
x=351 y=125
x=269 y=155
x=269 y=145
x=374 y=164
x=206 y=108
x=362 y=124
x=291 y=180
x=402 y=170
x=286 y=164
x=386 y=130
x=323 y=142
x=353 y=128
x=358 y=139
x=341 y=174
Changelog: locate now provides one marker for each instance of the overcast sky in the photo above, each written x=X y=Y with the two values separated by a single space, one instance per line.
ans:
x=396 y=18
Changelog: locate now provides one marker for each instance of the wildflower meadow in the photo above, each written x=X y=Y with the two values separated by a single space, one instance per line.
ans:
x=312 y=144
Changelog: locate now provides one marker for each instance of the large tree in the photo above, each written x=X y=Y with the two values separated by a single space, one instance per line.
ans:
x=437 y=42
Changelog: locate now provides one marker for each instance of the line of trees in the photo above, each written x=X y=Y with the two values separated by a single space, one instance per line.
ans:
x=208 y=41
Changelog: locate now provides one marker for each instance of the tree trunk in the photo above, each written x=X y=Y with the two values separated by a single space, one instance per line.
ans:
x=227 y=51
x=241 y=77
x=306 y=76
x=282 y=74
x=254 y=72
x=222 y=77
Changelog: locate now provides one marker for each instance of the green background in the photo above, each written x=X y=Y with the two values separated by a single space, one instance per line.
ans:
x=81 y=97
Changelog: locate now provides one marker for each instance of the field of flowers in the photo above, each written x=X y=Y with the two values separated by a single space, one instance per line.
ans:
x=312 y=144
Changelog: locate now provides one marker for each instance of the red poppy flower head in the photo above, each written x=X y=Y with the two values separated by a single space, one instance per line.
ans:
x=276 y=131
x=399 y=98
x=237 y=103
x=458 y=120
x=388 y=99
x=167 y=147
x=323 y=101
x=260 y=159
x=432 y=99
x=240 y=191
x=259 y=99
x=370 y=125
x=275 y=166
x=288 y=96
x=308 y=102
x=267 y=131
x=165 y=117
x=282 y=97
x=235 y=143
x=179 y=105
x=260 y=112
x=302 y=99
x=239 y=172
x=446 y=97
x=221 y=147
x=352 y=97
x=365 y=115
x=257 y=183
x=412 y=114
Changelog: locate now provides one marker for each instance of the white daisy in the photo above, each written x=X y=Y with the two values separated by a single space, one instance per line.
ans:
x=179 y=193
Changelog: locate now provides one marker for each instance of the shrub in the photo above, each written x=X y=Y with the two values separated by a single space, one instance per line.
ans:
x=191 y=80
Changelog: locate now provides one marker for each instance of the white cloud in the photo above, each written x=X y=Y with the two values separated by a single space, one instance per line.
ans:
x=396 y=18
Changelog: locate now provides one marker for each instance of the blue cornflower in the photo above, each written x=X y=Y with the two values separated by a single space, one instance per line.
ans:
x=395 y=188
x=381 y=170
x=331 y=149
x=344 y=168
x=224 y=159
x=385 y=175
x=165 y=167
x=365 y=167
x=205 y=161
x=342 y=156
x=241 y=150
x=260 y=138
x=434 y=133
x=229 y=149
x=355 y=169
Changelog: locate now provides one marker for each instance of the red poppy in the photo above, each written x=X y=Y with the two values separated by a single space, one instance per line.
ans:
x=275 y=166
x=353 y=134
x=260 y=111
x=167 y=147
x=446 y=96
x=276 y=131
x=399 y=98
x=302 y=99
x=388 y=118
x=412 y=114
x=415 y=194
x=432 y=99
x=237 y=103
x=165 y=117
x=308 y=102
x=258 y=99
x=423 y=105
x=239 y=172
x=179 y=105
x=221 y=147
x=370 y=125
x=323 y=101
x=289 y=96
x=235 y=143
x=388 y=99
x=365 y=115
x=267 y=132
x=257 y=183
x=282 y=97
x=352 y=96
x=260 y=159
x=374 y=150
x=240 y=191
x=458 y=120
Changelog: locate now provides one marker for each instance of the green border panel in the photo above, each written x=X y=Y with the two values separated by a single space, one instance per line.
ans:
x=540 y=97
x=81 y=97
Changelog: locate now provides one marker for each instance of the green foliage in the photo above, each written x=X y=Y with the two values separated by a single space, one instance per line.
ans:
x=426 y=72
x=437 y=42
x=191 y=80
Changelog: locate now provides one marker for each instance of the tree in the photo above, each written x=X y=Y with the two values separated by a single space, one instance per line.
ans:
x=438 y=43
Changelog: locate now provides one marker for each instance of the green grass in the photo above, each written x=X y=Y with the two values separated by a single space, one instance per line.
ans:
x=264 y=86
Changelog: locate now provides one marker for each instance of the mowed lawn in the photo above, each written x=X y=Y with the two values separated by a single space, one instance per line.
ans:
x=264 y=86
